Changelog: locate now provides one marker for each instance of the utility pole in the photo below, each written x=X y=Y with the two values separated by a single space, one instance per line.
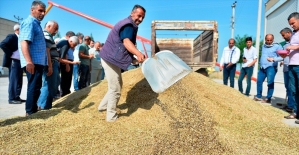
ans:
x=233 y=19
x=257 y=40
x=18 y=18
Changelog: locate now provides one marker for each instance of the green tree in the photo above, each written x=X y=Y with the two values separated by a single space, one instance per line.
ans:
x=57 y=35
x=241 y=44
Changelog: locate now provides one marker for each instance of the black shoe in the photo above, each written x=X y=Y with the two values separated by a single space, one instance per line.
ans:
x=284 y=107
x=289 y=110
x=21 y=100
x=15 y=102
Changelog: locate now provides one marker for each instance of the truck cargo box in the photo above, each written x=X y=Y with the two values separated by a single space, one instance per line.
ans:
x=197 y=52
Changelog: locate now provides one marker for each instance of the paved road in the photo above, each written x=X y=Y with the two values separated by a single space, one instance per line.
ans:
x=12 y=110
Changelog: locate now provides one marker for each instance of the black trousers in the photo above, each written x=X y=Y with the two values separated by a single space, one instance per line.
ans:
x=15 y=80
x=66 y=79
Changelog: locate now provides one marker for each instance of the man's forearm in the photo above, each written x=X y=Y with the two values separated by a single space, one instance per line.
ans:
x=82 y=55
x=49 y=58
x=130 y=46
x=252 y=63
x=25 y=51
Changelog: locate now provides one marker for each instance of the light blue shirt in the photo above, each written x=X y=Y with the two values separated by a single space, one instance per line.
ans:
x=70 y=54
x=269 y=51
x=76 y=53
x=31 y=31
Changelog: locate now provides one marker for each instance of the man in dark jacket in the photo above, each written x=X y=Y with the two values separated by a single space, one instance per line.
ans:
x=11 y=60
x=66 y=63
x=117 y=54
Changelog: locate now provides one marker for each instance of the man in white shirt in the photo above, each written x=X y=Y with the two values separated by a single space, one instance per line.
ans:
x=230 y=56
x=96 y=66
x=249 y=59
x=76 y=58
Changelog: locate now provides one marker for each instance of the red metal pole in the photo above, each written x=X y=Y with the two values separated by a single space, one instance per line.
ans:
x=94 y=20
x=144 y=50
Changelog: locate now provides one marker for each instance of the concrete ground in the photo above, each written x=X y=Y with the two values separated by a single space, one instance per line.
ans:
x=13 y=110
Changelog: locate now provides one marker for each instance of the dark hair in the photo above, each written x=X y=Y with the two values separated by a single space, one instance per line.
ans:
x=286 y=30
x=138 y=6
x=87 y=38
x=248 y=39
x=294 y=14
x=36 y=3
x=80 y=35
x=70 y=33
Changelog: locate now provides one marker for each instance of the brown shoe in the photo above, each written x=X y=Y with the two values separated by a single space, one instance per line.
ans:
x=297 y=121
x=266 y=100
x=257 y=99
x=292 y=116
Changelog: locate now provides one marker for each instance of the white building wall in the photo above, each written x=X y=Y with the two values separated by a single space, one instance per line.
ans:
x=276 y=20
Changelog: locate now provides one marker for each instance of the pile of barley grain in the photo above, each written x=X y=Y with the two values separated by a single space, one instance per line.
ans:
x=194 y=116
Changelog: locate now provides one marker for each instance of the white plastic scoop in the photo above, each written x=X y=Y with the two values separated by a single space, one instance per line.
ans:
x=164 y=70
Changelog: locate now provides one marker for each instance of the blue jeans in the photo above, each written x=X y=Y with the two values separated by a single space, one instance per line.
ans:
x=268 y=73
x=15 y=80
x=84 y=71
x=103 y=74
x=291 y=100
x=49 y=88
x=229 y=72
x=245 y=71
x=76 y=76
x=133 y=66
x=294 y=85
x=33 y=88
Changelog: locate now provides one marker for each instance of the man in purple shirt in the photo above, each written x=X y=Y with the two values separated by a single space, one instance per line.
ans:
x=293 y=20
x=117 y=54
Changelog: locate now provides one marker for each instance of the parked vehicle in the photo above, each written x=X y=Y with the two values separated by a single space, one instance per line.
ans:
x=198 y=52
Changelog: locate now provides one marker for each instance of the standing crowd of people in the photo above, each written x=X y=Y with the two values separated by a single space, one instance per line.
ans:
x=268 y=63
x=49 y=63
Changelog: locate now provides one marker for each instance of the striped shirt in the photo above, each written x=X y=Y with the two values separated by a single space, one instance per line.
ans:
x=31 y=31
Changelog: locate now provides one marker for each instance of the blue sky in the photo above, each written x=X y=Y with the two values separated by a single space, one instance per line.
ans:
x=111 y=11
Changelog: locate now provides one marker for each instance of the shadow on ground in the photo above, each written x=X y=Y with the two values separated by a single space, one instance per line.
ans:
x=140 y=96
